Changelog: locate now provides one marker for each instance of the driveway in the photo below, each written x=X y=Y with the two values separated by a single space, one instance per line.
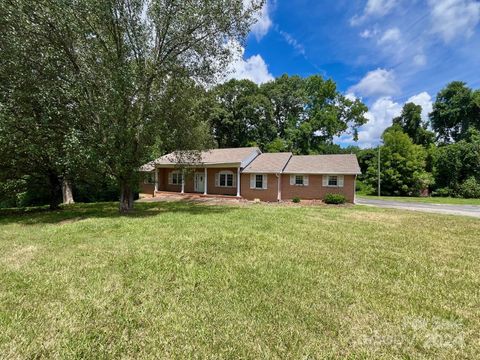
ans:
x=466 y=210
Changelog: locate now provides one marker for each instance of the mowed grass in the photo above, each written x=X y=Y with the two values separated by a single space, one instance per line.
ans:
x=425 y=200
x=181 y=280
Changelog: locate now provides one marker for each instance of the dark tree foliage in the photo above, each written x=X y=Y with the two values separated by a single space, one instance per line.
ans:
x=402 y=163
x=412 y=124
x=455 y=110
x=114 y=63
x=301 y=115
x=40 y=131
x=455 y=163
x=241 y=115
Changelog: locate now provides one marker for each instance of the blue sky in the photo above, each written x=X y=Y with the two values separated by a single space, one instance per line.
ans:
x=386 y=52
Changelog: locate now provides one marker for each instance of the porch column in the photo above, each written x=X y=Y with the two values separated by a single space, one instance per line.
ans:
x=156 y=179
x=238 y=182
x=183 y=182
x=205 y=182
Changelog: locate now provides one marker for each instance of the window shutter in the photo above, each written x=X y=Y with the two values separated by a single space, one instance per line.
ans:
x=292 y=179
x=217 y=179
x=264 y=182
x=252 y=181
x=325 y=180
x=234 y=179
x=340 y=181
x=170 y=179
x=305 y=180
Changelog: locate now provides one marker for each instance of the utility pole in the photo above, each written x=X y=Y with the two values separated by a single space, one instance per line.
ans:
x=378 y=170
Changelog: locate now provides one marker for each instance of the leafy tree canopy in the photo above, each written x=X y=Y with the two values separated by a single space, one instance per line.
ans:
x=455 y=163
x=301 y=115
x=117 y=61
x=402 y=165
x=456 y=109
x=410 y=121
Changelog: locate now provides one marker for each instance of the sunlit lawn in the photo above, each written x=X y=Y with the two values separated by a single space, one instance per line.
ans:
x=428 y=200
x=180 y=280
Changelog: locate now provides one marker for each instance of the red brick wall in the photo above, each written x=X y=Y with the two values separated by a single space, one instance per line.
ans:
x=268 y=194
x=147 y=189
x=212 y=189
x=315 y=190
x=190 y=184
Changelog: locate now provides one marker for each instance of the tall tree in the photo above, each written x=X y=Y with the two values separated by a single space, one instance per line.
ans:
x=455 y=110
x=123 y=53
x=288 y=114
x=455 y=163
x=328 y=114
x=402 y=163
x=39 y=134
x=241 y=115
x=412 y=124
x=288 y=97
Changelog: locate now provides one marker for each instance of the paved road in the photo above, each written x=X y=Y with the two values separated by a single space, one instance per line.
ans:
x=466 y=210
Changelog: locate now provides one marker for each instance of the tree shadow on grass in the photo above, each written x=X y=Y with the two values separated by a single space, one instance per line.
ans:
x=78 y=212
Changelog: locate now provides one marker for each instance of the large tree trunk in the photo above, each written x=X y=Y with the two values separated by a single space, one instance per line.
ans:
x=67 y=194
x=55 y=189
x=126 y=198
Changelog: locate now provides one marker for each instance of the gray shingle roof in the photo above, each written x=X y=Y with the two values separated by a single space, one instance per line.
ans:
x=268 y=163
x=214 y=156
x=150 y=166
x=323 y=164
x=263 y=163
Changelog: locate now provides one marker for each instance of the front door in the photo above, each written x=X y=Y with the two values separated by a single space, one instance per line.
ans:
x=199 y=181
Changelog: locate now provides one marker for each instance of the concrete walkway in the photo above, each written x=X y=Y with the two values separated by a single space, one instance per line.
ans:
x=466 y=210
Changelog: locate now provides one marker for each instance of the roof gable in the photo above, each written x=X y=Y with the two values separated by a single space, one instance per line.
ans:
x=323 y=164
x=241 y=156
x=268 y=163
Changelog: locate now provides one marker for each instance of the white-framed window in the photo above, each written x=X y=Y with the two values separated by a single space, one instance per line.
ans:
x=175 y=178
x=225 y=178
x=258 y=181
x=149 y=178
x=332 y=180
x=299 y=180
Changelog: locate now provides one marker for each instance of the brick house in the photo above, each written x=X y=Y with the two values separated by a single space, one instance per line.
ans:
x=251 y=174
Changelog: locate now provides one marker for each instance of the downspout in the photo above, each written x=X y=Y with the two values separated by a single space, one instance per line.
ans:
x=279 y=187
x=355 y=190
x=279 y=191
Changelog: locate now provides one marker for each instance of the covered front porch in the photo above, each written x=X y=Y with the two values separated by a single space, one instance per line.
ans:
x=223 y=181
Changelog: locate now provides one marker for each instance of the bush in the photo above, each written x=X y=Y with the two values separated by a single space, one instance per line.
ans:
x=364 y=188
x=442 y=192
x=296 y=199
x=334 y=199
x=470 y=189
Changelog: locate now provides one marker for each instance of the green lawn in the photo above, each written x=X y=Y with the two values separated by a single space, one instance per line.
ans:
x=179 y=280
x=428 y=200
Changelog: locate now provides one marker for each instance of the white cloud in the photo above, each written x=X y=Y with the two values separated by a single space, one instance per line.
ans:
x=420 y=60
x=293 y=42
x=379 y=7
x=351 y=96
x=375 y=8
x=254 y=68
x=452 y=18
x=389 y=37
x=378 y=82
x=425 y=101
x=380 y=116
x=263 y=21
x=368 y=33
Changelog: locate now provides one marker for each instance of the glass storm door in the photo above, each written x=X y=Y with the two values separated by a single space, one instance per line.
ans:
x=199 y=182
